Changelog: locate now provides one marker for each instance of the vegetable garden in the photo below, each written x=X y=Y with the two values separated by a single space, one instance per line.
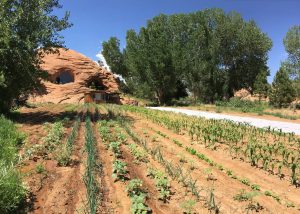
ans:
x=124 y=159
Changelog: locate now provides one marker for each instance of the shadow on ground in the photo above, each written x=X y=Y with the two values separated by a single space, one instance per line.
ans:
x=41 y=117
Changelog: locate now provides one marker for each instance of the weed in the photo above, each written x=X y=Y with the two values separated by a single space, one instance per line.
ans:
x=254 y=206
x=188 y=206
x=39 y=168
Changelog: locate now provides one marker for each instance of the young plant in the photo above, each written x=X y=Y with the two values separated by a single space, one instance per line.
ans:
x=134 y=187
x=188 y=206
x=119 y=170
x=138 y=205
x=54 y=136
x=139 y=154
x=39 y=168
x=63 y=155
x=161 y=182
x=245 y=196
x=212 y=206
x=115 y=147
x=137 y=196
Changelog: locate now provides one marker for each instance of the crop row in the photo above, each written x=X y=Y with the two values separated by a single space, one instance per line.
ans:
x=113 y=137
x=91 y=168
x=264 y=148
x=229 y=172
x=255 y=187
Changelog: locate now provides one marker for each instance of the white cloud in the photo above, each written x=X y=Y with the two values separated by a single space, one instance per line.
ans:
x=101 y=57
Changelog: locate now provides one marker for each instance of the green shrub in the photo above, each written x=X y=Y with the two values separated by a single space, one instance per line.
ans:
x=63 y=155
x=242 y=105
x=54 y=136
x=12 y=191
x=10 y=139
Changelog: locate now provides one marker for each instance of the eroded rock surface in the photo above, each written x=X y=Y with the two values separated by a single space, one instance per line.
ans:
x=81 y=69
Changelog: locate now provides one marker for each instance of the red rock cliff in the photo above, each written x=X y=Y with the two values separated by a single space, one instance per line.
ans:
x=79 y=71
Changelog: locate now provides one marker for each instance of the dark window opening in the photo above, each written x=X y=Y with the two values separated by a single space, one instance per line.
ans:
x=64 y=77
x=96 y=85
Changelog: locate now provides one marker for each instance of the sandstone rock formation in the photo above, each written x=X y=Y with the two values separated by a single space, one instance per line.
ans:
x=71 y=75
x=245 y=94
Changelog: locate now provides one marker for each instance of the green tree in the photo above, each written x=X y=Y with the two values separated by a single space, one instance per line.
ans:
x=210 y=52
x=149 y=58
x=282 y=91
x=292 y=64
x=28 y=30
x=292 y=46
x=113 y=56
x=261 y=85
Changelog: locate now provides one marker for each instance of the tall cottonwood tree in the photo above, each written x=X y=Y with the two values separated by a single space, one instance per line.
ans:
x=292 y=64
x=113 y=55
x=28 y=29
x=212 y=53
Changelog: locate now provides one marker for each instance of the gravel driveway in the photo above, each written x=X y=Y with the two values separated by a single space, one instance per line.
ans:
x=261 y=123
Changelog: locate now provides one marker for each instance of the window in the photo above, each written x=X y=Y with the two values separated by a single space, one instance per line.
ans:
x=64 y=77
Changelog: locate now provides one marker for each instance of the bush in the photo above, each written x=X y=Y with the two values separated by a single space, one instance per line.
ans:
x=243 y=105
x=12 y=191
x=10 y=138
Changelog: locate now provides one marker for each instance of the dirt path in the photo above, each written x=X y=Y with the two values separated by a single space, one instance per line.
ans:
x=261 y=123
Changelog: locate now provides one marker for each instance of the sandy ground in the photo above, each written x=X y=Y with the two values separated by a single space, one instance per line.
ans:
x=261 y=123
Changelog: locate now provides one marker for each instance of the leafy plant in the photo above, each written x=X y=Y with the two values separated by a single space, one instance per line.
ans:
x=139 y=154
x=161 y=182
x=39 y=168
x=134 y=187
x=245 y=196
x=255 y=187
x=137 y=196
x=119 y=170
x=54 y=136
x=138 y=205
x=115 y=147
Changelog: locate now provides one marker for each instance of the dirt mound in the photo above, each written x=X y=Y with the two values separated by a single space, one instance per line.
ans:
x=71 y=75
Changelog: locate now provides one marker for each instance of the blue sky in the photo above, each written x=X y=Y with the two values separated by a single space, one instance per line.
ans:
x=97 y=20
